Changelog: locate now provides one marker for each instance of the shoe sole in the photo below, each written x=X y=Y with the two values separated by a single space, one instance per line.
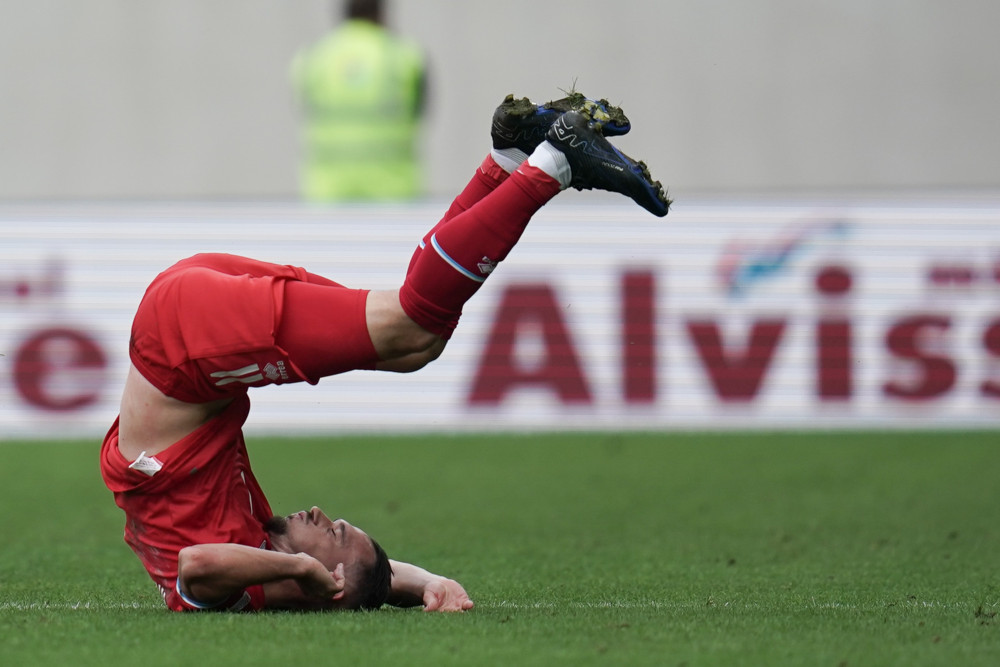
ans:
x=611 y=120
x=518 y=108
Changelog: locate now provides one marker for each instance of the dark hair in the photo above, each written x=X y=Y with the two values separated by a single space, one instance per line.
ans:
x=364 y=9
x=376 y=580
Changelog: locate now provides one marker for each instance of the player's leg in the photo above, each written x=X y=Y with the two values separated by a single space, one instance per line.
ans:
x=409 y=328
x=518 y=126
x=461 y=254
x=323 y=330
x=403 y=346
x=329 y=330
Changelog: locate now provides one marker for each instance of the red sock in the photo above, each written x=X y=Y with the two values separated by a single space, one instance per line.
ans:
x=462 y=253
x=484 y=181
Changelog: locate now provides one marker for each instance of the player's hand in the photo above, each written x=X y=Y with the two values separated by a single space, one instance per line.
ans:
x=318 y=582
x=441 y=594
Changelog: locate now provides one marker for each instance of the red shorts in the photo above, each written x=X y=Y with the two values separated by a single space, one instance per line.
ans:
x=213 y=325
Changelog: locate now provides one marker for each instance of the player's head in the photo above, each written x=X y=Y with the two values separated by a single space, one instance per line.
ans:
x=366 y=566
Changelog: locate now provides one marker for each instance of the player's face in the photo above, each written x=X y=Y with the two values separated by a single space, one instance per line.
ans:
x=327 y=540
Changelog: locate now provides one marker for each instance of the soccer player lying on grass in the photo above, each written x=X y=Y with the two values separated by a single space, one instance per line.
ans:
x=211 y=326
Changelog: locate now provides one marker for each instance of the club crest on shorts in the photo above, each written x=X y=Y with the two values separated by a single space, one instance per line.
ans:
x=252 y=373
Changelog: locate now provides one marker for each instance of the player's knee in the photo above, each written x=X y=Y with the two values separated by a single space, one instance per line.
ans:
x=430 y=349
x=409 y=340
x=415 y=358
x=431 y=352
x=395 y=335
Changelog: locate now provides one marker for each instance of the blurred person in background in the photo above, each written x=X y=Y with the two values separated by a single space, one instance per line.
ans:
x=362 y=93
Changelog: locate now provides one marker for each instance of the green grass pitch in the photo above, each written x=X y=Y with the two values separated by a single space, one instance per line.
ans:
x=876 y=548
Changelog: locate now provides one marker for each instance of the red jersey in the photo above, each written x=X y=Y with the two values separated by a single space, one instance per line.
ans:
x=203 y=493
x=207 y=328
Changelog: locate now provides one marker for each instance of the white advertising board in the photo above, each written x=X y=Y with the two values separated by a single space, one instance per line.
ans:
x=723 y=315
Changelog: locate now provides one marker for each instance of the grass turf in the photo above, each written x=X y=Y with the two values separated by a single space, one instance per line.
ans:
x=666 y=549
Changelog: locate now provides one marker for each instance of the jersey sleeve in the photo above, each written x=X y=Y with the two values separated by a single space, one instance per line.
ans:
x=247 y=600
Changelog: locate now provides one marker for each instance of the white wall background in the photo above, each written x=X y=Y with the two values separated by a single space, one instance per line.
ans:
x=190 y=99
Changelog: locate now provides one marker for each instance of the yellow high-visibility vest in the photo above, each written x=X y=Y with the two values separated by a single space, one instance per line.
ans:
x=360 y=88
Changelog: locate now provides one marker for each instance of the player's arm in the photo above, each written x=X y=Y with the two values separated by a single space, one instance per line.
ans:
x=207 y=573
x=412 y=586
